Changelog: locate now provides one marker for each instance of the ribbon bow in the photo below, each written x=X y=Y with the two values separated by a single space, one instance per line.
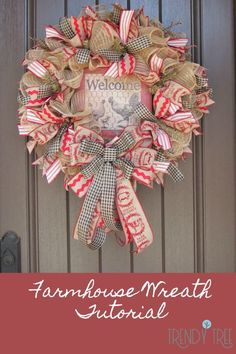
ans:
x=110 y=202
x=102 y=169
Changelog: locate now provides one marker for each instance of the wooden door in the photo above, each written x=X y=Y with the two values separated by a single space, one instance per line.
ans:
x=193 y=221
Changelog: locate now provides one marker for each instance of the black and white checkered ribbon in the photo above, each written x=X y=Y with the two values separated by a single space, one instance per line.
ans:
x=53 y=146
x=143 y=113
x=45 y=91
x=202 y=86
x=117 y=10
x=172 y=169
x=82 y=55
x=111 y=55
x=132 y=47
x=21 y=99
x=98 y=240
x=201 y=81
x=65 y=27
x=137 y=44
x=103 y=186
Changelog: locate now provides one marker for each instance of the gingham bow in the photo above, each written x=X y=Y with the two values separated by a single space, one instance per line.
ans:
x=111 y=202
x=103 y=187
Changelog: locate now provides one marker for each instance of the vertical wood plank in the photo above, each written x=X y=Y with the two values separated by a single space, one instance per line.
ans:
x=51 y=198
x=13 y=160
x=219 y=143
x=82 y=258
x=32 y=205
x=151 y=199
x=178 y=198
x=197 y=148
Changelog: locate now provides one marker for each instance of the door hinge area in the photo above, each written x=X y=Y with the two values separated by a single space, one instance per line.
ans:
x=10 y=253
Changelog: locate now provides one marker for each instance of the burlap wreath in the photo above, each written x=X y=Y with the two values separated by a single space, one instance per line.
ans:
x=67 y=137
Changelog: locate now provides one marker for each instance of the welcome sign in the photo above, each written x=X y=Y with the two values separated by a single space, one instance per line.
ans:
x=113 y=101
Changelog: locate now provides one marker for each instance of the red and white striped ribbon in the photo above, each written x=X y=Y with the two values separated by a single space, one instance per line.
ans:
x=163 y=139
x=177 y=42
x=160 y=166
x=37 y=69
x=24 y=130
x=52 y=32
x=112 y=71
x=173 y=108
x=181 y=116
x=34 y=117
x=125 y=21
x=54 y=170
x=156 y=63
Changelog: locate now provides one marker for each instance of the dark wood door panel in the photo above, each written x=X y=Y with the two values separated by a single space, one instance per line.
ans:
x=13 y=155
x=218 y=42
x=52 y=216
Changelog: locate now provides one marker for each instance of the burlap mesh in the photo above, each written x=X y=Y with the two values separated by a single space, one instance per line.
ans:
x=70 y=78
x=100 y=39
x=184 y=75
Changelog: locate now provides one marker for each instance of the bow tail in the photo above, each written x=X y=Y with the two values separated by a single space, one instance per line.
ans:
x=108 y=198
x=132 y=217
x=86 y=227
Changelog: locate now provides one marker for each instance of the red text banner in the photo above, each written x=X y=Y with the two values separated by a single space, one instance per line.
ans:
x=135 y=313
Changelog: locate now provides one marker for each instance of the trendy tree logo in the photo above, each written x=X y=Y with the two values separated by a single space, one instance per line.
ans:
x=206 y=324
x=208 y=334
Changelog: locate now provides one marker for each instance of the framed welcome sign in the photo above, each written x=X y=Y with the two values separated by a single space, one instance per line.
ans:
x=113 y=100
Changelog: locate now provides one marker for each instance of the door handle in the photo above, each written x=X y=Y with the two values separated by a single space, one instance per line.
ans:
x=10 y=253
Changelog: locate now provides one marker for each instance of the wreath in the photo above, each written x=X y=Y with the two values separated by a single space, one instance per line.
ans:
x=125 y=47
